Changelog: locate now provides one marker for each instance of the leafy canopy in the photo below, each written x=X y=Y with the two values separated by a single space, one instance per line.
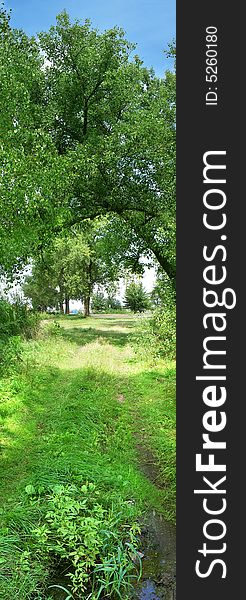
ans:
x=88 y=131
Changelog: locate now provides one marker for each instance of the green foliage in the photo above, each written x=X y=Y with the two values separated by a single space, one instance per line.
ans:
x=69 y=417
x=26 y=150
x=16 y=319
x=163 y=293
x=157 y=335
x=136 y=298
x=52 y=328
x=39 y=287
x=93 y=539
x=10 y=353
x=88 y=131
x=71 y=267
x=163 y=328
x=113 y=304
x=101 y=303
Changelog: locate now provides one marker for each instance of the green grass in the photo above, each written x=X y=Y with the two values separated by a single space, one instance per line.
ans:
x=76 y=411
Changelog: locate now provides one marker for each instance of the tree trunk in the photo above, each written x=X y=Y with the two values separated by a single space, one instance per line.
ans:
x=164 y=261
x=67 y=305
x=89 y=289
x=61 y=294
x=167 y=266
x=87 y=306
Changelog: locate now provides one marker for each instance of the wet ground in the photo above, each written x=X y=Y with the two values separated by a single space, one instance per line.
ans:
x=158 y=539
x=158 y=545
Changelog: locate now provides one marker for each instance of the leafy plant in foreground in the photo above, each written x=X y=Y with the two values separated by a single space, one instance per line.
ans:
x=96 y=542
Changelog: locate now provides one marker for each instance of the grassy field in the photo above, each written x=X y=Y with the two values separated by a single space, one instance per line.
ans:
x=87 y=427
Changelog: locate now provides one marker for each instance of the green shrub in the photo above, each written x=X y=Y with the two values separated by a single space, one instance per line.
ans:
x=95 y=542
x=17 y=319
x=52 y=328
x=10 y=353
x=157 y=335
x=163 y=327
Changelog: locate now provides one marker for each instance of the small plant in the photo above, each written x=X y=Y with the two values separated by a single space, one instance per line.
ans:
x=52 y=328
x=94 y=540
x=116 y=572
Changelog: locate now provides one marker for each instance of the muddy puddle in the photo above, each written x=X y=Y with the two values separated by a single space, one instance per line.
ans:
x=158 y=545
x=158 y=555
x=158 y=539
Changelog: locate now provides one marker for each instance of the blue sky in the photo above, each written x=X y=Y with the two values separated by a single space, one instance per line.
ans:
x=149 y=23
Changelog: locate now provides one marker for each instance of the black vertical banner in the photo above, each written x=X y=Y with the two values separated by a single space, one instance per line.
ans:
x=210 y=301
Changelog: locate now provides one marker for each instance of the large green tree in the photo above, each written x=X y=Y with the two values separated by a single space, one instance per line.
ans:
x=115 y=123
x=101 y=140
